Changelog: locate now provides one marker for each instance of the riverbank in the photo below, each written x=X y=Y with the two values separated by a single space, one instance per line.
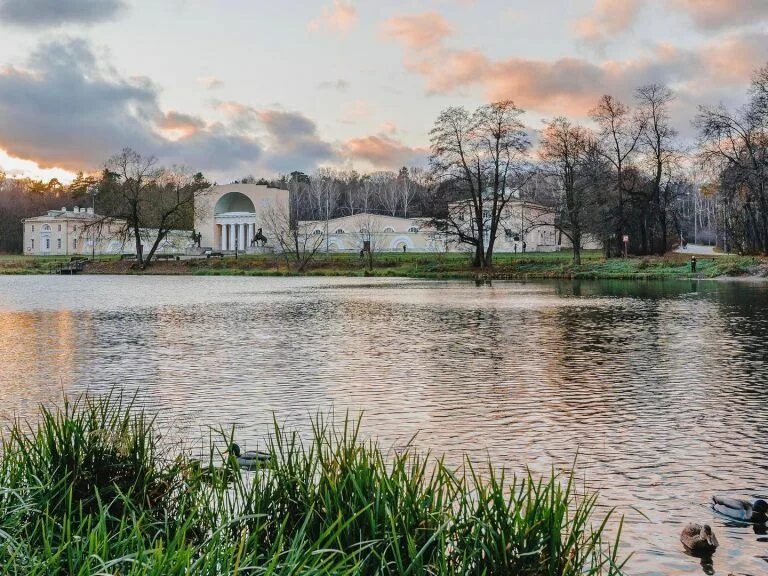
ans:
x=430 y=266
x=95 y=488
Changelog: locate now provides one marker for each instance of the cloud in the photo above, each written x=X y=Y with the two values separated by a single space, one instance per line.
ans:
x=183 y=124
x=341 y=16
x=65 y=109
x=45 y=13
x=210 y=82
x=339 y=85
x=722 y=14
x=608 y=18
x=418 y=31
x=382 y=151
x=572 y=85
x=294 y=142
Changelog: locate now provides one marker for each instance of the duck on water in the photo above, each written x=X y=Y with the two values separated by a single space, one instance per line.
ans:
x=250 y=459
x=699 y=540
x=755 y=511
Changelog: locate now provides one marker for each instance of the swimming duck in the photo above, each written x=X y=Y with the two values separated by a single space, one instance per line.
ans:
x=250 y=459
x=744 y=510
x=699 y=539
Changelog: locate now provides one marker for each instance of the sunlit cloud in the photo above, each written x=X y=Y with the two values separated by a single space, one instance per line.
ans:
x=382 y=151
x=341 y=16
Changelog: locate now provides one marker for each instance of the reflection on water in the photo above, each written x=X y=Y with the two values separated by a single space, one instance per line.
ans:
x=660 y=388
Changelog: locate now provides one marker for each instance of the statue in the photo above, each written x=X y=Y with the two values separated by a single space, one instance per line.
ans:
x=197 y=238
x=259 y=238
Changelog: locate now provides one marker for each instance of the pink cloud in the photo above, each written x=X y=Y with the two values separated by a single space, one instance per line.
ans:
x=572 y=85
x=608 y=18
x=339 y=17
x=418 y=31
x=382 y=151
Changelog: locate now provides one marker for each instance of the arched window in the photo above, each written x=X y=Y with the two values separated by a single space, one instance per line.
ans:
x=389 y=229
x=413 y=229
x=318 y=231
x=339 y=231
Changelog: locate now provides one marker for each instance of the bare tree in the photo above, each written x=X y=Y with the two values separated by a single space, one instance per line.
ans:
x=387 y=191
x=407 y=188
x=566 y=149
x=368 y=231
x=658 y=141
x=298 y=244
x=146 y=197
x=619 y=135
x=481 y=154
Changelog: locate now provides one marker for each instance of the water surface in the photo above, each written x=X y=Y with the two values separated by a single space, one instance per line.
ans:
x=659 y=387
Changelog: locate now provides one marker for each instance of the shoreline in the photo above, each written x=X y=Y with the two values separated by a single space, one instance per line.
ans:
x=430 y=266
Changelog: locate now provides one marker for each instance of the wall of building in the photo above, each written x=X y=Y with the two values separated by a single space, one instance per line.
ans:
x=81 y=233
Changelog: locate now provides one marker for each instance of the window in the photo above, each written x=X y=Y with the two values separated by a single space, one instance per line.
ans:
x=47 y=243
x=389 y=229
x=461 y=216
x=318 y=231
x=413 y=229
x=508 y=232
x=339 y=231
x=59 y=227
x=74 y=243
x=58 y=243
x=486 y=214
x=33 y=227
x=33 y=243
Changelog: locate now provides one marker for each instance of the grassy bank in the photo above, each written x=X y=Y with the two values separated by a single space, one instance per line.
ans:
x=436 y=266
x=431 y=266
x=92 y=488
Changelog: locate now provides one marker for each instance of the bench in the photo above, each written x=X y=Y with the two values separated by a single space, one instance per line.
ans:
x=166 y=257
x=127 y=256
x=214 y=255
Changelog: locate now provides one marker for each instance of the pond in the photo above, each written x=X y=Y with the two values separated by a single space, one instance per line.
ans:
x=657 y=390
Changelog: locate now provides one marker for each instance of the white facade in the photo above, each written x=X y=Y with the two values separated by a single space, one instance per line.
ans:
x=230 y=216
x=80 y=232
x=384 y=233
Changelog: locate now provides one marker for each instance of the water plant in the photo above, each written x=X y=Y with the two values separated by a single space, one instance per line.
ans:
x=92 y=487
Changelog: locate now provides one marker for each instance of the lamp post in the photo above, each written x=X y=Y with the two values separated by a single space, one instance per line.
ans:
x=93 y=227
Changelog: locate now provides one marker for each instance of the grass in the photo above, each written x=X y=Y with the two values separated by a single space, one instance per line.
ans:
x=431 y=266
x=93 y=488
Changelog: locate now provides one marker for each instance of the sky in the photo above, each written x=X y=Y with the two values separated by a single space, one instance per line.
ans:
x=250 y=87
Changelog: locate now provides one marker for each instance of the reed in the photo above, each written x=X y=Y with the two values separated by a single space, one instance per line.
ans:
x=92 y=488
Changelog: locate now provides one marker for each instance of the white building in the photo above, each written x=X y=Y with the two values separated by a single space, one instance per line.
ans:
x=230 y=216
x=384 y=233
x=80 y=232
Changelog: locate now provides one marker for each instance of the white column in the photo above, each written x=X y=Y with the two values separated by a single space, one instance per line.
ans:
x=247 y=236
x=223 y=237
x=241 y=236
x=231 y=236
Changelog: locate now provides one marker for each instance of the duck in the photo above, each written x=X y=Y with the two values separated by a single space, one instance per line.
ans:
x=699 y=540
x=745 y=510
x=250 y=459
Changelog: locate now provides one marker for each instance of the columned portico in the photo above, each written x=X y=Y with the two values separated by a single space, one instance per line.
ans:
x=237 y=230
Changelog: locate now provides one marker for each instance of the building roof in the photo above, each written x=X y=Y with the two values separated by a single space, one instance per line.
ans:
x=64 y=214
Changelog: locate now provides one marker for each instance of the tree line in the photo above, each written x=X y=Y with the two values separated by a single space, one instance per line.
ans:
x=625 y=176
